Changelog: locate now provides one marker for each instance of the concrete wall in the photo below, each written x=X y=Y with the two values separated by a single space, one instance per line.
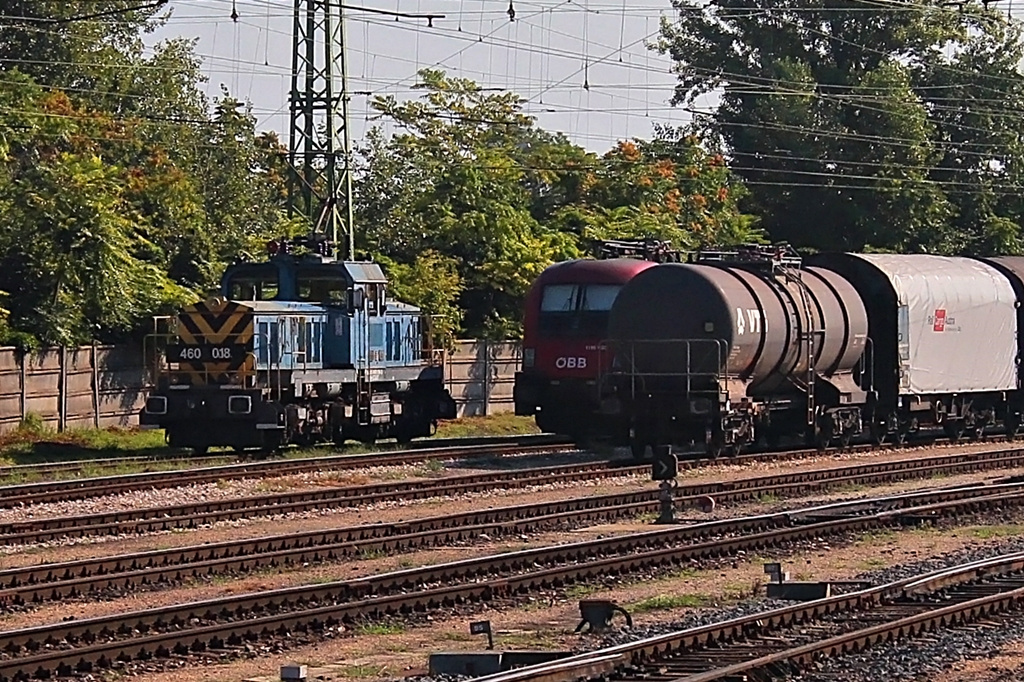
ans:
x=480 y=376
x=72 y=387
x=97 y=386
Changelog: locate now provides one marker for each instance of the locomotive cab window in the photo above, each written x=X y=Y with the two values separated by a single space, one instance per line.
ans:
x=255 y=283
x=576 y=310
x=318 y=286
x=375 y=304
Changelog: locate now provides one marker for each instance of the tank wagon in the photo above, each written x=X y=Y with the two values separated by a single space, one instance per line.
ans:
x=737 y=346
x=733 y=345
x=297 y=349
x=565 y=323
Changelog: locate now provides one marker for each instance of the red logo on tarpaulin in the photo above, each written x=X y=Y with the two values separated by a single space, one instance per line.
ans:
x=940 y=320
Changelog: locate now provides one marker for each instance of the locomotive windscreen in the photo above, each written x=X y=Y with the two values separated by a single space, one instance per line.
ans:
x=576 y=310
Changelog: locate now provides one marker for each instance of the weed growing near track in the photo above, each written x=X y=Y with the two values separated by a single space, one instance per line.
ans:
x=664 y=602
x=494 y=425
x=33 y=442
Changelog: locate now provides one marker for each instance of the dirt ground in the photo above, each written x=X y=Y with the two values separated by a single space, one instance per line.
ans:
x=547 y=622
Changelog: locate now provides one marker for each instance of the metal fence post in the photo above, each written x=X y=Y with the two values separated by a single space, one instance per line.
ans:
x=95 y=388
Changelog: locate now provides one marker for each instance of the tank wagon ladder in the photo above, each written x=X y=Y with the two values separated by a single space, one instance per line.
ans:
x=808 y=334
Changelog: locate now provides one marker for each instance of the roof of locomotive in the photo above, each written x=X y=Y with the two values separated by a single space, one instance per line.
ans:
x=611 y=271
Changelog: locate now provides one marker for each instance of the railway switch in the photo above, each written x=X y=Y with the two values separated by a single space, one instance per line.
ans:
x=598 y=613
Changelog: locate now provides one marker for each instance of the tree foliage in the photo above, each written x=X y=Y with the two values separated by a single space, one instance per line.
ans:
x=858 y=124
x=469 y=177
x=125 y=192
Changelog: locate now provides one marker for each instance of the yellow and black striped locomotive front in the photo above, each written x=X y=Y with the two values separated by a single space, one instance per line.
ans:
x=215 y=344
x=206 y=395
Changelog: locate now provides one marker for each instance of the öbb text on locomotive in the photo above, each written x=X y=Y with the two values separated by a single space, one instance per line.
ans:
x=727 y=348
x=298 y=349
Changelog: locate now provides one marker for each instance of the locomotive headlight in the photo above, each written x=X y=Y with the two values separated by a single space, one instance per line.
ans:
x=156 y=404
x=529 y=357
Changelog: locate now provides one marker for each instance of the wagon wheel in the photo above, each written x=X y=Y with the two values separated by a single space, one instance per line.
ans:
x=639 y=439
x=714 y=440
x=845 y=439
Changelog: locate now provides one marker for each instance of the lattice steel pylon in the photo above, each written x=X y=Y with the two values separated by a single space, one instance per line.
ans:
x=320 y=149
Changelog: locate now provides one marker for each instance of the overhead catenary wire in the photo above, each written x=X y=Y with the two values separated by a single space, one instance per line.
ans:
x=550 y=53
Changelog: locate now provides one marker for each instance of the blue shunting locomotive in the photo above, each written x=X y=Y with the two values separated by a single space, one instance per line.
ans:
x=297 y=349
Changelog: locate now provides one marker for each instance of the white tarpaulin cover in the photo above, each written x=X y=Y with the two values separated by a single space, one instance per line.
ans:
x=957 y=323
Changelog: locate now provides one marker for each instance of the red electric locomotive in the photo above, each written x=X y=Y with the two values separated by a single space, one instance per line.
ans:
x=565 y=323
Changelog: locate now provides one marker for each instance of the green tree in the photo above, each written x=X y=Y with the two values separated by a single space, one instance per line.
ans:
x=840 y=118
x=431 y=282
x=670 y=188
x=466 y=178
x=123 y=193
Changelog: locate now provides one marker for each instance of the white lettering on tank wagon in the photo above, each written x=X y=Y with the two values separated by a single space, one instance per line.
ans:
x=748 y=320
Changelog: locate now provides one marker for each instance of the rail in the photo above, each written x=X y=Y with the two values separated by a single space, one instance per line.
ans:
x=223 y=624
x=680 y=650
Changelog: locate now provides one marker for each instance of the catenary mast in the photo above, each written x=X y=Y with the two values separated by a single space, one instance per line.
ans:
x=320 y=147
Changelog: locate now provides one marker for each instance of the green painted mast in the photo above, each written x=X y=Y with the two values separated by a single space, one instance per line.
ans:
x=320 y=147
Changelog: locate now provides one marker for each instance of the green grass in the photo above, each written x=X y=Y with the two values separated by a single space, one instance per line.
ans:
x=363 y=671
x=873 y=562
x=33 y=442
x=580 y=591
x=877 y=536
x=430 y=467
x=506 y=424
x=526 y=640
x=686 y=572
x=768 y=498
x=380 y=629
x=663 y=602
x=993 y=532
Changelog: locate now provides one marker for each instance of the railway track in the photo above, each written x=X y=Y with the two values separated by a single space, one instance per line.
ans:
x=72 y=489
x=778 y=643
x=193 y=515
x=222 y=625
x=116 y=574
x=77 y=466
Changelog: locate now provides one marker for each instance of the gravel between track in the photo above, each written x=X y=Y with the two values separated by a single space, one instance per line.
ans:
x=235 y=488
x=547 y=620
x=925 y=656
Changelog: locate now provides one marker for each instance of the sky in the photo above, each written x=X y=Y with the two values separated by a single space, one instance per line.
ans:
x=548 y=54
